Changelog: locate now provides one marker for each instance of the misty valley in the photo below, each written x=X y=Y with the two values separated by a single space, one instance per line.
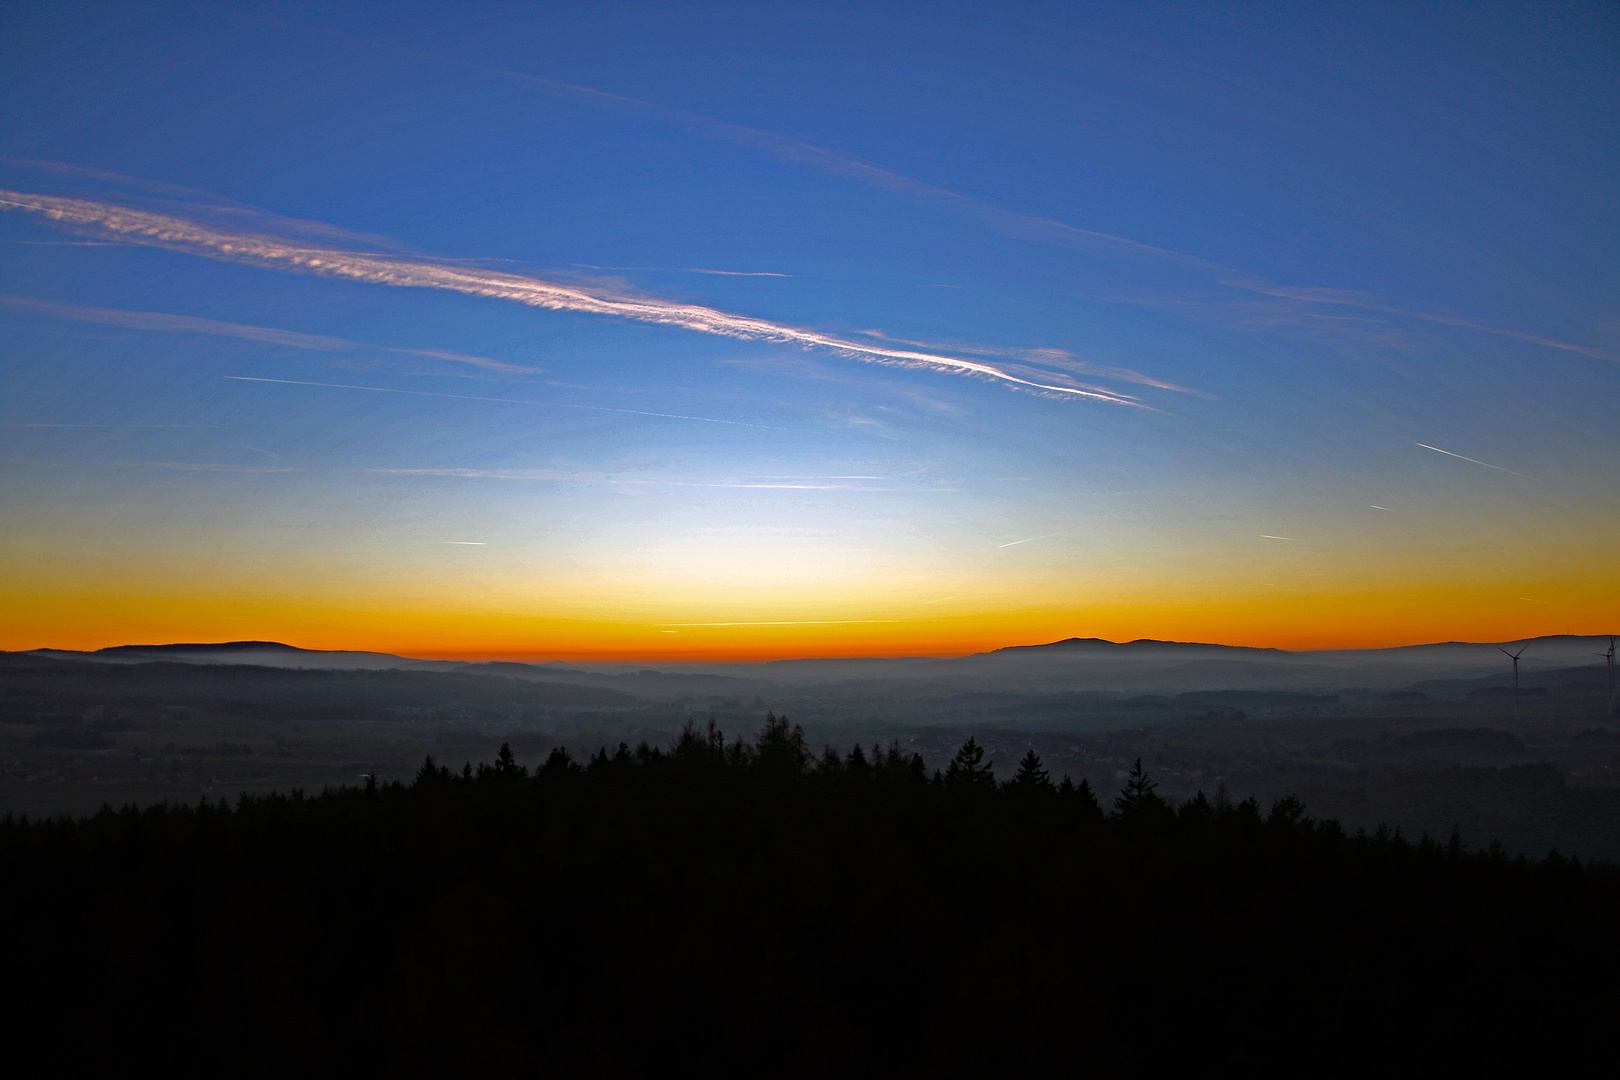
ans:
x=1424 y=740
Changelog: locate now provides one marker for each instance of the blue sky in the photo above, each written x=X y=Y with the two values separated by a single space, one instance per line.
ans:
x=1319 y=309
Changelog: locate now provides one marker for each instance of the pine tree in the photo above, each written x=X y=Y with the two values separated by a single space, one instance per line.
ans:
x=968 y=769
x=781 y=745
x=1139 y=797
x=1031 y=777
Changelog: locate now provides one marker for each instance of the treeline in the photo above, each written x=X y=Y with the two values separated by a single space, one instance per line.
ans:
x=749 y=907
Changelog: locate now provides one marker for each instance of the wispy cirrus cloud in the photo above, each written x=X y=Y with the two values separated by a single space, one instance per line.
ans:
x=271 y=251
x=493 y=474
x=214 y=466
x=1010 y=223
x=632 y=481
x=544 y=475
x=188 y=324
x=508 y=401
x=1373 y=302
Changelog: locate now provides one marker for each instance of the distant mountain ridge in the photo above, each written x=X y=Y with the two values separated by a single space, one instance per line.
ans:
x=1077 y=644
x=643 y=683
x=1088 y=664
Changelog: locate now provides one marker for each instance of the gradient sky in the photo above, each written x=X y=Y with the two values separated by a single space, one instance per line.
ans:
x=706 y=330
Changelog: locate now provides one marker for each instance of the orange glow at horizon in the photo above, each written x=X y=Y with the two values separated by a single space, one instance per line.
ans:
x=1296 y=622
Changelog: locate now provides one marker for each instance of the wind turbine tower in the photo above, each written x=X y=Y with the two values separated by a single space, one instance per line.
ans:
x=1609 y=659
x=1514 y=656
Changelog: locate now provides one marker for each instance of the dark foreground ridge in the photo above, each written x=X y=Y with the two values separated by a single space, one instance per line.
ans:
x=743 y=907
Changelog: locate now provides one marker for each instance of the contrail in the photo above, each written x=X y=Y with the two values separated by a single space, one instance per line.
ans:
x=1268 y=536
x=1010 y=223
x=791 y=622
x=1476 y=461
x=782 y=487
x=1031 y=540
x=598 y=478
x=209 y=466
x=685 y=270
x=264 y=250
x=509 y=401
x=187 y=324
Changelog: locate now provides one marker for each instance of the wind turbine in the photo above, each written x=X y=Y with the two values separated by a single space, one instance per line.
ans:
x=1609 y=659
x=1514 y=656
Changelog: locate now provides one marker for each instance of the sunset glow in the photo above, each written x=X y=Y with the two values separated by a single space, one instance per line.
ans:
x=549 y=340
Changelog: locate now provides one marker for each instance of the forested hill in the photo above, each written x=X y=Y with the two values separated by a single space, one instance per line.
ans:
x=744 y=907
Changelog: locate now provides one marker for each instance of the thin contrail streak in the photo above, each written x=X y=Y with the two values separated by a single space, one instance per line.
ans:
x=1011 y=223
x=547 y=474
x=1031 y=540
x=264 y=250
x=187 y=324
x=685 y=270
x=210 y=466
x=781 y=487
x=1476 y=461
x=1268 y=536
x=509 y=401
x=789 y=622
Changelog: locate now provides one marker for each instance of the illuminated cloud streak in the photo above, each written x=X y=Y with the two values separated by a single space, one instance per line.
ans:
x=273 y=252
x=1051 y=358
x=187 y=324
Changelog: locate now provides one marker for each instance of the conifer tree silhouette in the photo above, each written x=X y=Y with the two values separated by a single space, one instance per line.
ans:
x=968 y=769
x=1139 y=797
x=1031 y=777
x=780 y=746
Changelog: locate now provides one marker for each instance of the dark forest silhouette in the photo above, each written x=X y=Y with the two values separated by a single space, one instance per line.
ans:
x=748 y=906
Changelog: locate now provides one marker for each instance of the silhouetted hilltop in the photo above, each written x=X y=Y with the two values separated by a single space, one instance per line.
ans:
x=221 y=648
x=257 y=653
x=1141 y=647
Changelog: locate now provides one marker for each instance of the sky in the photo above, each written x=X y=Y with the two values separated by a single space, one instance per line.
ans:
x=699 y=331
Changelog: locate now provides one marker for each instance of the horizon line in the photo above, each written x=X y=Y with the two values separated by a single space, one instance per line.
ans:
x=507 y=656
